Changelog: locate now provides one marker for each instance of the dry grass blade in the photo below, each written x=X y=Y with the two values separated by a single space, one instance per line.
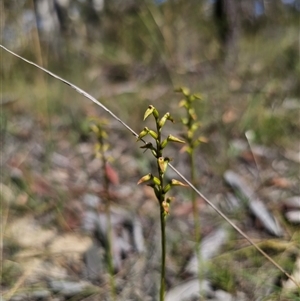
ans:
x=85 y=94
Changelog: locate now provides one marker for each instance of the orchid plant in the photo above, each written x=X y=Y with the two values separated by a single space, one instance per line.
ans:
x=160 y=186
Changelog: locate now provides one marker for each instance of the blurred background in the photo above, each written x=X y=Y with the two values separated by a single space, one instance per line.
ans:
x=242 y=57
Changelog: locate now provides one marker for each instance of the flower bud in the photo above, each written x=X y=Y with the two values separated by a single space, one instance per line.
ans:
x=155 y=113
x=182 y=103
x=192 y=113
x=165 y=206
x=149 y=111
x=164 y=143
x=174 y=139
x=162 y=164
x=185 y=91
x=153 y=134
x=197 y=96
x=145 y=178
x=143 y=133
x=203 y=139
x=94 y=128
x=156 y=181
x=163 y=120
x=167 y=188
x=177 y=183
x=184 y=121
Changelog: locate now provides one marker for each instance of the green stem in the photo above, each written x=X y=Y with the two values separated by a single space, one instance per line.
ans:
x=162 y=217
x=110 y=265
x=163 y=253
x=109 y=254
x=196 y=220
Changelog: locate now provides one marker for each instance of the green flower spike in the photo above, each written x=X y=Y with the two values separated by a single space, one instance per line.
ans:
x=157 y=183
x=191 y=125
x=98 y=127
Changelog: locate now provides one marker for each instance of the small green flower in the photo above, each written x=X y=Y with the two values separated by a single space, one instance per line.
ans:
x=156 y=181
x=167 y=188
x=142 y=134
x=145 y=178
x=178 y=183
x=183 y=90
x=164 y=143
x=162 y=164
x=163 y=120
x=153 y=134
x=151 y=110
x=148 y=112
x=174 y=139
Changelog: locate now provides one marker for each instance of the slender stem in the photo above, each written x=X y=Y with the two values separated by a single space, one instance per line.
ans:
x=162 y=216
x=110 y=265
x=109 y=253
x=163 y=254
x=196 y=221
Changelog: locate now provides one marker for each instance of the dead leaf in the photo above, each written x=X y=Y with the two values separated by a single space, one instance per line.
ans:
x=281 y=182
x=111 y=174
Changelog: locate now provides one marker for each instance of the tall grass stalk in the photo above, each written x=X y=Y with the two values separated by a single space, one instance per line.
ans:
x=88 y=96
